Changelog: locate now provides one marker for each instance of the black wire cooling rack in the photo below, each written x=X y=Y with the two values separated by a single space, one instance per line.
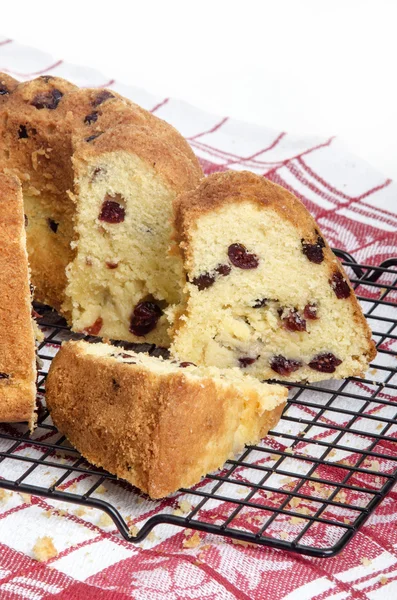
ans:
x=307 y=487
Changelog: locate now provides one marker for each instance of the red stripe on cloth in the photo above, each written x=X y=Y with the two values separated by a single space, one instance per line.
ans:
x=4 y=42
x=159 y=105
x=107 y=84
x=33 y=73
x=214 y=128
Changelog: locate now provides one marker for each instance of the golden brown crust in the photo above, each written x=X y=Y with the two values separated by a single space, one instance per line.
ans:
x=7 y=86
x=90 y=111
x=17 y=347
x=221 y=189
x=173 y=166
x=160 y=432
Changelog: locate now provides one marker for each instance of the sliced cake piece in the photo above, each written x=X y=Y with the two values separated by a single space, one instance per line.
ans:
x=160 y=425
x=123 y=277
x=264 y=291
x=17 y=338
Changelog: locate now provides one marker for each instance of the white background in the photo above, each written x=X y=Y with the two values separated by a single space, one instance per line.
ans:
x=307 y=66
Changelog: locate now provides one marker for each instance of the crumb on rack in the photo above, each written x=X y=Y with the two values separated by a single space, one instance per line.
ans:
x=193 y=541
x=366 y=561
x=27 y=498
x=133 y=530
x=4 y=495
x=105 y=520
x=44 y=549
x=383 y=580
x=101 y=489
x=81 y=511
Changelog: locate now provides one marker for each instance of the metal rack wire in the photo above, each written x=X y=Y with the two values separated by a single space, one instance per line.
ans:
x=307 y=487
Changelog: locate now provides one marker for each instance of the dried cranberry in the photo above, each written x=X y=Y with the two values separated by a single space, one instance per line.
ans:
x=245 y=361
x=310 y=311
x=48 y=100
x=4 y=90
x=339 y=285
x=294 y=321
x=101 y=97
x=203 y=281
x=112 y=265
x=91 y=118
x=112 y=211
x=223 y=270
x=284 y=366
x=4 y=376
x=241 y=258
x=52 y=225
x=314 y=252
x=93 y=137
x=144 y=318
x=325 y=363
x=260 y=302
x=26 y=220
x=187 y=364
x=124 y=355
x=22 y=132
x=95 y=328
x=46 y=78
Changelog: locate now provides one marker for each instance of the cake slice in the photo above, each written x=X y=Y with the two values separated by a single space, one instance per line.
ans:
x=123 y=277
x=159 y=424
x=264 y=291
x=17 y=345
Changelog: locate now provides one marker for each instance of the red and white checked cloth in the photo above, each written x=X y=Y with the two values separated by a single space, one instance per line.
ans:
x=356 y=208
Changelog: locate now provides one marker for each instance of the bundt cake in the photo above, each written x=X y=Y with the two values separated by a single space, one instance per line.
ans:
x=17 y=347
x=62 y=142
x=264 y=291
x=159 y=424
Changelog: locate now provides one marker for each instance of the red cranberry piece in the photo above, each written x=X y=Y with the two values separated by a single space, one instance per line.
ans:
x=22 y=132
x=325 y=363
x=4 y=376
x=187 y=364
x=48 y=100
x=4 y=90
x=260 y=302
x=310 y=312
x=204 y=281
x=241 y=258
x=101 y=97
x=294 y=322
x=245 y=361
x=314 y=252
x=26 y=220
x=91 y=118
x=340 y=285
x=112 y=265
x=95 y=328
x=52 y=225
x=284 y=366
x=93 y=137
x=144 y=318
x=112 y=211
x=223 y=270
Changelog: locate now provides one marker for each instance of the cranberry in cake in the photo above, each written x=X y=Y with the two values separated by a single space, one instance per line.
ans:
x=283 y=307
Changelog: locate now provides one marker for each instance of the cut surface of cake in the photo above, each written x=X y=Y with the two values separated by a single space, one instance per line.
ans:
x=17 y=346
x=159 y=424
x=51 y=137
x=264 y=291
x=123 y=275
